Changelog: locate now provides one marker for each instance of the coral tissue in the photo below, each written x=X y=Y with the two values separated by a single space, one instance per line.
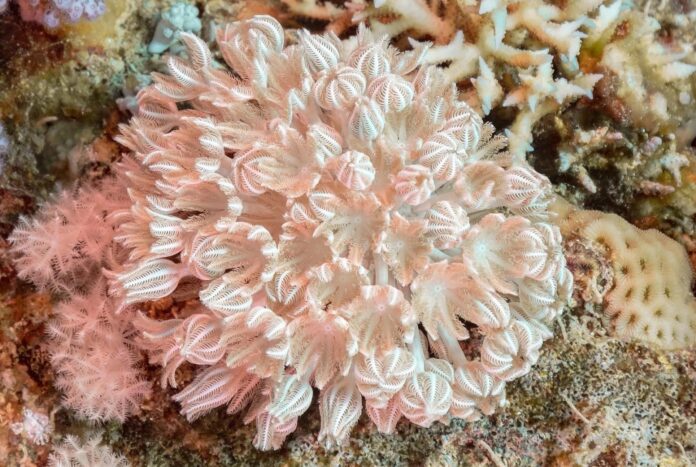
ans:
x=340 y=220
x=53 y=13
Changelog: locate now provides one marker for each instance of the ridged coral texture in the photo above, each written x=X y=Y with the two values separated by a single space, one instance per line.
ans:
x=345 y=222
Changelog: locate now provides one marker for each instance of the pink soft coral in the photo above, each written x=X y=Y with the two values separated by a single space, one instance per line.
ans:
x=64 y=248
x=325 y=202
x=72 y=452
x=64 y=245
x=94 y=357
x=343 y=221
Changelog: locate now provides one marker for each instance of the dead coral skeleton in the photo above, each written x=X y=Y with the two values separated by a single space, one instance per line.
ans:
x=645 y=162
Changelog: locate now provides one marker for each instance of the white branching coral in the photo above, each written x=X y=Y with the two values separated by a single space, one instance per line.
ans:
x=346 y=221
x=482 y=41
x=524 y=36
x=385 y=17
x=651 y=73
x=393 y=17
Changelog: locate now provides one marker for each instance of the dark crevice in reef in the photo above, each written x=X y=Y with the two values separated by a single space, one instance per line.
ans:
x=39 y=47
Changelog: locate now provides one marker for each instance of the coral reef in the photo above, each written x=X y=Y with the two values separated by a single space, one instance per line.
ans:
x=622 y=144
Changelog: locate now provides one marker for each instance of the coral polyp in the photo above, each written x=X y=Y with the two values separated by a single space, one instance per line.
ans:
x=53 y=13
x=345 y=222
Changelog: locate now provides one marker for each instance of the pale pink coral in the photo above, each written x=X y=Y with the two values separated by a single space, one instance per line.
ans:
x=323 y=203
x=64 y=248
x=72 y=452
x=93 y=354
x=66 y=242
x=51 y=13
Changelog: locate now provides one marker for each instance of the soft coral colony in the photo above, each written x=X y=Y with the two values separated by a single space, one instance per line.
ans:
x=340 y=220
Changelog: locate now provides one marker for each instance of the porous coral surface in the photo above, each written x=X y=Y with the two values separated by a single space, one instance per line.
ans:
x=651 y=299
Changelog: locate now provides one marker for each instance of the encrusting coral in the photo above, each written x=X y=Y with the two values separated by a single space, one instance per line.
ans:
x=323 y=203
x=651 y=299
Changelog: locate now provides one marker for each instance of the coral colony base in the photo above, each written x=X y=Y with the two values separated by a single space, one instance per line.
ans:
x=339 y=220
